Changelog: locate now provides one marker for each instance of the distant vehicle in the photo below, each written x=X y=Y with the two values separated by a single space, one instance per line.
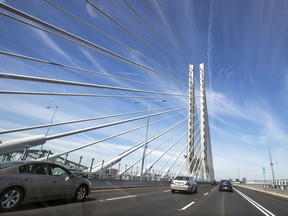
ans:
x=214 y=182
x=183 y=183
x=225 y=185
x=31 y=181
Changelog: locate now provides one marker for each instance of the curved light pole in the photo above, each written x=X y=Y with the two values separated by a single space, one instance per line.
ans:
x=146 y=135
x=271 y=164
x=41 y=149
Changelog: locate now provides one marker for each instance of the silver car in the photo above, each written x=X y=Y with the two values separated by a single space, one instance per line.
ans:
x=184 y=183
x=29 y=181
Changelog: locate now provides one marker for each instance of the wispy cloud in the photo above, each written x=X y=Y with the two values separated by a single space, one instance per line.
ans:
x=254 y=125
x=51 y=44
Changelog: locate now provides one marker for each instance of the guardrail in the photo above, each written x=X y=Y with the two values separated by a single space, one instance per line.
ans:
x=281 y=184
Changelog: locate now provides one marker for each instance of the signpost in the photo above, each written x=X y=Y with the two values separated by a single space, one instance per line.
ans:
x=264 y=171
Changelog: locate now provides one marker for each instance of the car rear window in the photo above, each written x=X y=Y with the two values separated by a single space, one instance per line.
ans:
x=183 y=178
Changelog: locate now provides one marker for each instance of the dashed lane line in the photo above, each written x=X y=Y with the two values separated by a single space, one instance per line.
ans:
x=117 y=198
x=187 y=206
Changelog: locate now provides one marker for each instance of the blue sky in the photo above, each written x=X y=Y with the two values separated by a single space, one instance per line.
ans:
x=243 y=45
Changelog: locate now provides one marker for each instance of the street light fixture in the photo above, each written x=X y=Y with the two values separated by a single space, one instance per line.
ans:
x=146 y=135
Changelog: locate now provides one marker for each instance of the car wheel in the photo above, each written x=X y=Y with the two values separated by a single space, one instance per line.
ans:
x=80 y=193
x=172 y=191
x=191 y=191
x=11 y=198
x=196 y=190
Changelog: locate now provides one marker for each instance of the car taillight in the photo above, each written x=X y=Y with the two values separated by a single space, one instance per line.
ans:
x=187 y=183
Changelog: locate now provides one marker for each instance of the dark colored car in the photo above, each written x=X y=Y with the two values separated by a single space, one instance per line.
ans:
x=225 y=185
x=31 y=181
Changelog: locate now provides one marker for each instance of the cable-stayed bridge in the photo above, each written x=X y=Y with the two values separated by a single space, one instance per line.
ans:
x=116 y=89
x=105 y=96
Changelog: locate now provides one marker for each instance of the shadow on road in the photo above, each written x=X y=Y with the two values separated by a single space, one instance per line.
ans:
x=46 y=204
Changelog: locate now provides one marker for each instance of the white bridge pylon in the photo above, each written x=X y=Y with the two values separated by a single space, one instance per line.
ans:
x=199 y=161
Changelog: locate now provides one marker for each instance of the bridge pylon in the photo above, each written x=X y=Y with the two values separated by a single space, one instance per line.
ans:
x=199 y=162
x=191 y=119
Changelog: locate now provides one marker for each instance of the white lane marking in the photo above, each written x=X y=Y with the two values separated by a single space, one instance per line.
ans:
x=185 y=207
x=124 y=197
x=166 y=191
x=257 y=205
x=212 y=189
x=206 y=194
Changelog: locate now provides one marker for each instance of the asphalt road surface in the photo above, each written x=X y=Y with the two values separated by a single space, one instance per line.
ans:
x=160 y=201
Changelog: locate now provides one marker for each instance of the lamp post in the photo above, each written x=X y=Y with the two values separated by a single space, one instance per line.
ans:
x=41 y=149
x=146 y=135
x=56 y=107
x=271 y=164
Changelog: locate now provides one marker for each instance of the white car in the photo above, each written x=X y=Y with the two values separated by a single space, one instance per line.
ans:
x=183 y=183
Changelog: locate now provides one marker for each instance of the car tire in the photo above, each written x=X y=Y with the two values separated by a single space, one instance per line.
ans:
x=172 y=191
x=11 y=198
x=80 y=193
x=191 y=191
x=196 y=190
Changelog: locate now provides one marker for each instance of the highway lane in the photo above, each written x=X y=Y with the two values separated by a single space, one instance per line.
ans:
x=160 y=201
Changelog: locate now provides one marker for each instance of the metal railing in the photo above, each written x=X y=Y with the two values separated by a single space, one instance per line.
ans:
x=281 y=184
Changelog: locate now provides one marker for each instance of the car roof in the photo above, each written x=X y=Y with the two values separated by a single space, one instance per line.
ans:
x=13 y=163
x=9 y=163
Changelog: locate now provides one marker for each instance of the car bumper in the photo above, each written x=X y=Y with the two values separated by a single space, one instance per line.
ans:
x=180 y=187
x=225 y=188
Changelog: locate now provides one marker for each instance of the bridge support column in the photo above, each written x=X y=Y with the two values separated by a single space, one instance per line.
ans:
x=191 y=120
x=206 y=168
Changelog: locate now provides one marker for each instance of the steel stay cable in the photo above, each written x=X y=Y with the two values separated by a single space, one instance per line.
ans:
x=175 y=160
x=78 y=69
x=181 y=166
x=89 y=45
x=159 y=19
x=76 y=121
x=77 y=94
x=131 y=33
x=199 y=164
x=104 y=125
x=195 y=154
x=172 y=156
x=104 y=139
x=172 y=24
x=168 y=149
x=195 y=131
x=160 y=39
x=107 y=35
x=148 y=153
x=72 y=83
x=136 y=147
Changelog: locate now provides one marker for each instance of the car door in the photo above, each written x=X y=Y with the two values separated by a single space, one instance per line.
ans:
x=36 y=180
x=62 y=183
